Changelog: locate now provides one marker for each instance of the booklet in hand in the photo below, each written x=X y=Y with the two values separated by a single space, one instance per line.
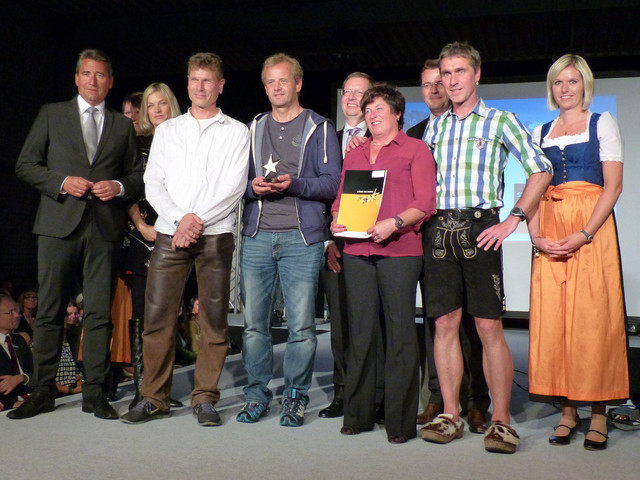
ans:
x=360 y=201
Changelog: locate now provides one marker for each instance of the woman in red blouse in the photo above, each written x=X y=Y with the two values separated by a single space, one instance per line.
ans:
x=381 y=271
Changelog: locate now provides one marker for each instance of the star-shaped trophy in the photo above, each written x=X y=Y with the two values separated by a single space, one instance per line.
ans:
x=270 y=173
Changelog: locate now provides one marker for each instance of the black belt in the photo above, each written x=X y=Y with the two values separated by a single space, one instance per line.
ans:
x=467 y=213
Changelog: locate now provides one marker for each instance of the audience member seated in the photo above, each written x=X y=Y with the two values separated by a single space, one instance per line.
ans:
x=6 y=287
x=69 y=378
x=28 y=305
x=73 y=328
x=15 y=357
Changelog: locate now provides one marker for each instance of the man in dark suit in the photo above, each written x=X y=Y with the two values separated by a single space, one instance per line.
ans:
x=15 y=356
x=474 y=393
x=82 y=158
x=331 y=277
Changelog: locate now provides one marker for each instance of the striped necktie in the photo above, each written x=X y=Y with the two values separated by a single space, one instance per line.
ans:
x=352 y=132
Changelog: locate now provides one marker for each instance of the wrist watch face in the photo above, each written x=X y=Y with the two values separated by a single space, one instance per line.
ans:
x=517 y=212
x=399 y=222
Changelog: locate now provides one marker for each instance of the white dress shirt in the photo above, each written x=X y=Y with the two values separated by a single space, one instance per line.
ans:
x=345 y=135
x=199 y=168
x=86 y=116
x=99 y=119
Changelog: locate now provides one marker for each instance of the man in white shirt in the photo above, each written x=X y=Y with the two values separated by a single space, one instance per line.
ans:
x=195 y=178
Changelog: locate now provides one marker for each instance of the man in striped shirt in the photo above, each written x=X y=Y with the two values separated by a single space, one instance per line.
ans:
x=463 y=258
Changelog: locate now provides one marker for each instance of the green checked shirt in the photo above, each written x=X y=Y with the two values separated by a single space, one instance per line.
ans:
x=471 y=154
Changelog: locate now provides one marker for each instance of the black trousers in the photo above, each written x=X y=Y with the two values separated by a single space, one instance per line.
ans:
x=138 y=286
x=370 y=283
x=84 y=254
x=335 y=291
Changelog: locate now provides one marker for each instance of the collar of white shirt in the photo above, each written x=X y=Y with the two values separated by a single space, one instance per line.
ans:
x=83 y=105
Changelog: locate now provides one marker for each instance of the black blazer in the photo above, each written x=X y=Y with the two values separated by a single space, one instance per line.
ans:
x=54 y=149
x=417 y=131
x=6 y=368
x=367 y=134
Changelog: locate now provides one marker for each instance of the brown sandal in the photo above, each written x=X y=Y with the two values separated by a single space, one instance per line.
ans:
x=501 y=438
x=442 y=429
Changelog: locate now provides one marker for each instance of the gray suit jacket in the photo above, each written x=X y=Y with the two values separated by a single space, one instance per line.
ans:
x=54 y=149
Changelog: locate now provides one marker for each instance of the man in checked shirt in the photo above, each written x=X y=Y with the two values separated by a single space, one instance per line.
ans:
x=462 y=242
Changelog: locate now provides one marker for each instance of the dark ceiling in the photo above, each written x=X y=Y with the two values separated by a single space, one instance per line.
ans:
x=145 y=35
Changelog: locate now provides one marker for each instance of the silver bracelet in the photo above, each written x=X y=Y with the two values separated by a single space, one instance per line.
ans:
x=536 y=252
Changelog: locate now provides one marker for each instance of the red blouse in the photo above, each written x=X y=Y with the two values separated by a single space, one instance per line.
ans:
x=411 y=182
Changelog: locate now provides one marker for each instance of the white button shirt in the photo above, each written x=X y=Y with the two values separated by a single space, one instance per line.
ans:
x=198 y=167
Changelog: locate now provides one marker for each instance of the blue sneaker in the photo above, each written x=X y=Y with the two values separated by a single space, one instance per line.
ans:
x=252 y=412
x=293 y=409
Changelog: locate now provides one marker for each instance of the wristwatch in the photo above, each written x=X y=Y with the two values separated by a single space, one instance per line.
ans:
x=518 y=212
x=588 y=235
x=399 y=222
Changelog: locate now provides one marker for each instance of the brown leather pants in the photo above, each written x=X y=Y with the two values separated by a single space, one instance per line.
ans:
x=168 y=273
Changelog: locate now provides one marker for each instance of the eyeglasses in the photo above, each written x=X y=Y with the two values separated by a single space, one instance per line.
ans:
x=10 y=312
x=429 y=84
x=31 y=296
x=355 y=93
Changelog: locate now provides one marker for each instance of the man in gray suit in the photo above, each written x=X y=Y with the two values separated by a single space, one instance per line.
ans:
x=81 y=156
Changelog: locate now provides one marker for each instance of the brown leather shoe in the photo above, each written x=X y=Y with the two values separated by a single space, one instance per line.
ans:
x=431 y=412
x=477 y=421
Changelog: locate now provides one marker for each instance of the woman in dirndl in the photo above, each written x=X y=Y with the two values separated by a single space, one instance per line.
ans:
x=577 y=327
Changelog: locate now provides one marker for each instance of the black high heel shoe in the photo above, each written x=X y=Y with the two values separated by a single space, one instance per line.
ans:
x=593 y=445
x=565 y=439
